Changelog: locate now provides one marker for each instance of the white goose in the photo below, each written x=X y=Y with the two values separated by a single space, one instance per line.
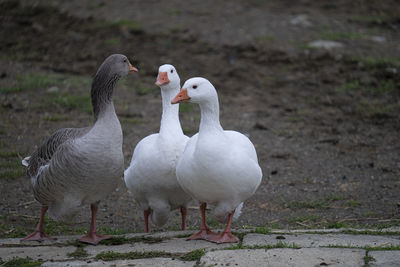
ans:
x=151 y=177
x=80 y=166
x=217 y=167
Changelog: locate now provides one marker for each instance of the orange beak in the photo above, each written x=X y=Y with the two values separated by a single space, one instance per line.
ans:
x=162 y=79
x=132 y=68
x=181 y=97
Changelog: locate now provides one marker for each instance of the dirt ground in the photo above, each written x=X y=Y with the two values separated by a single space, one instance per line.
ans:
x=325 y=121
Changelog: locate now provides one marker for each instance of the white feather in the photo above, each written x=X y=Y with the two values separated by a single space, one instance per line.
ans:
x=25 y=161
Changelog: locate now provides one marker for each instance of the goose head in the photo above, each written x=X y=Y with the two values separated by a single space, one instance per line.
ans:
x=116 y=65
x=196 y=90
x=168 y=77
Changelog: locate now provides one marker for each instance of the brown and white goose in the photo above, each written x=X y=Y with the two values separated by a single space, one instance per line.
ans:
x=81 y=166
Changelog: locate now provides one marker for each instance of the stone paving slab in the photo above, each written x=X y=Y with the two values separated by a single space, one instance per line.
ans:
x=175 y=245
x=311 y=253
x=385 y=258
x=61 y=240
x=334 y=230
x=285 y=257
x=324 y=240
x=137 y=263
x=37 y=253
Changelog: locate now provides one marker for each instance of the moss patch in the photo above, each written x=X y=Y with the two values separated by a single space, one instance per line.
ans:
x=22 y=262
x=79 y=253
x=194 y=255
x=111 y=256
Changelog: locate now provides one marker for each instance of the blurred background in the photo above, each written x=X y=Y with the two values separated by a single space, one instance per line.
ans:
x=314 y=84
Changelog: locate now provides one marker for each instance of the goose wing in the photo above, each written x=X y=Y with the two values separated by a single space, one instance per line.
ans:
x=43 y=154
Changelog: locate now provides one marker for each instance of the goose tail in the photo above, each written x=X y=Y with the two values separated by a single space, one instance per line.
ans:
x=25 y=161
x=238 y=211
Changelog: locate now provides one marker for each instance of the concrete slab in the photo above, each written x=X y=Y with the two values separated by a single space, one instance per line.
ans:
x=61 y=240
x=385 y=258
x=139 y=262
x=315 y=240
x=285 y=257
x=37 y=253
x=333 y=230
x=174 y=245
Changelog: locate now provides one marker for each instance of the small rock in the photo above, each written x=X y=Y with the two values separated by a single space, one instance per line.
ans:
x=329 y=45
x=391 y=70
x=38 y=27
x=377 y=39
x=53 y=89
x=301 y=20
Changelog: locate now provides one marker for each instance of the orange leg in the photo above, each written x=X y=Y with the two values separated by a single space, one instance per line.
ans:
x=183 y=212
x=205 y=233
x=226 y=236
x=93 y=237
x=39 y=234
x=146 y=220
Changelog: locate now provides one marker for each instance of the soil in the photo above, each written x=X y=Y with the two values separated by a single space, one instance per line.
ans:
x=325 y=122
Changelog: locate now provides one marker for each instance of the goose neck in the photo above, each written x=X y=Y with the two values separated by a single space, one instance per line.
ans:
x=170 y=113
x=101 y=93
x=210 y=117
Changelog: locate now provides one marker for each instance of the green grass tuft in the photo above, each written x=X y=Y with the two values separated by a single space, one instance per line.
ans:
x=22 y=262
x=119 y=240
x=368 y=259
x=35 y=81
x=374 y=108
x=111 y=256
x=54 y=117
x=353 y=203
x=194 y=255
x=130 y=24
x=11 y=90
x=113 y=40
x=8 y=154
x=174 y=12
x=349 y=86
x=68 y=101
x=12 y=174
x=280 y=244
x=262 y=230
x=307 y=204
x=79 y=253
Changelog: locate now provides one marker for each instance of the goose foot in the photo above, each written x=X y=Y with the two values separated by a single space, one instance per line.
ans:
x=224 y=237
x=93 y=238
x=203 y=234
x=39 y=236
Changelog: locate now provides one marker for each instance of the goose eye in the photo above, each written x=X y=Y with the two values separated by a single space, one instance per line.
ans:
x=125 y=60
x=172 y=71
x=194 y=86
